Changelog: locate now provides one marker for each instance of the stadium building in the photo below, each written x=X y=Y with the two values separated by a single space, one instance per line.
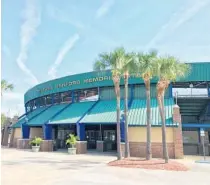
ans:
x=85 y=104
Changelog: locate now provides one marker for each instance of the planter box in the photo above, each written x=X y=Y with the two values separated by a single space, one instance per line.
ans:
x=35 y=148
x=72 y=151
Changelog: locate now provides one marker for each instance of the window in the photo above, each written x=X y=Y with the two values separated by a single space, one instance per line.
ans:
x=42 y=101
x=86 y=95
x=66 y=97
x=57 y=98
x=49 y=100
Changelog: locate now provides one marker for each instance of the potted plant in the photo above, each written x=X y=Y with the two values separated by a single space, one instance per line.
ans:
x=71 y=142
x=36 y=144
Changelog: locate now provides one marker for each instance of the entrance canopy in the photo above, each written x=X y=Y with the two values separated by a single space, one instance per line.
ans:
x=29 y=116
x=73 y=113
x=46 y=115
x=105 y=113
x=138 y=113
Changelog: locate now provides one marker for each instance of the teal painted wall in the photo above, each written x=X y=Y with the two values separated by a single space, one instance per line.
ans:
x=109 y=93
x=140 y=92
x=199 y=72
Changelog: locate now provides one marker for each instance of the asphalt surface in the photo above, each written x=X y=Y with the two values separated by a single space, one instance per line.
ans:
x=27 y=168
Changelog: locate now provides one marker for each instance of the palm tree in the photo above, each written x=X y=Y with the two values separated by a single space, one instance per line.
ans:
x=117 y=61
x=145 y=67
x=127 y=69
x=5 y=86
x=167 y=69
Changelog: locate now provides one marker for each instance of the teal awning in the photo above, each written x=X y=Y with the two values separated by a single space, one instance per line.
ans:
x=103 y=112
x=46 y=115
x=73 y=113
x=138 y=113
x=30 y=115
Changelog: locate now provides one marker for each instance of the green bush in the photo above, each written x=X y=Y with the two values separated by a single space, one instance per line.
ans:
x=71 y=141
x=36 y=141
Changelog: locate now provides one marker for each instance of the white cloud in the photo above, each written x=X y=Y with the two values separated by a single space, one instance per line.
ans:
x=61 y=54
x=180 y=17
x=32 y=20
x=61 y=16
x=104 y=8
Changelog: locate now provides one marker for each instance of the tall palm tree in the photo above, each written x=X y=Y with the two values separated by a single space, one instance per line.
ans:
x=127 y=69
x=145 y=67
x=167 y=69
x=5 y=86
x=117 y=61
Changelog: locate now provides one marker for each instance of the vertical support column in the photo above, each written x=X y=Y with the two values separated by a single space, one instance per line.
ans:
x=81 y=131
x=178 y=140
x=24 y=143
x=47 y=130
x=47 y=143
x=25 y=131
x=82 y=144
x=122 y=131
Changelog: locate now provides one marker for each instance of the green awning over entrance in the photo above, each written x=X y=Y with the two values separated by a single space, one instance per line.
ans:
x=103 y=112
x=46 y=115
x=138 y=113
x=29 y=116
x=73 y=113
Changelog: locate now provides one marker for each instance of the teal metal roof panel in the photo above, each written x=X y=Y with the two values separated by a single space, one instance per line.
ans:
x=30 y=115
x=46 y=115
x=199 y=72
x=73 y=113
x=103 y=112
x=138 y=113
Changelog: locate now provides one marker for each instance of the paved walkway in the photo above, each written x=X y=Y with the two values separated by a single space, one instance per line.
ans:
x=27 y=168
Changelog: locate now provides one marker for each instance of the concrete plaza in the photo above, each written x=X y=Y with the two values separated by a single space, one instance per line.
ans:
x=57 y=168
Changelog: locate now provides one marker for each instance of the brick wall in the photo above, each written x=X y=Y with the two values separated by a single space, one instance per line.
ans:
x=178 y=140
x=138 y=149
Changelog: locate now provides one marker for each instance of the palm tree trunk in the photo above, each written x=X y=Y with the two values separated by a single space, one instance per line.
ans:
x=148 y=148
x=160 y=98
x=119 y=156
x=127 y=150
x=117 y=91
x=165 y=150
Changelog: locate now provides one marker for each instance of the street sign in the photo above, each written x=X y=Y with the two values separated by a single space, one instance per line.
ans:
x=202 y=133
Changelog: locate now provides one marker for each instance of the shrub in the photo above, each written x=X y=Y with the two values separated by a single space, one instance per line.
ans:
x=72 y=140
x=36 y=141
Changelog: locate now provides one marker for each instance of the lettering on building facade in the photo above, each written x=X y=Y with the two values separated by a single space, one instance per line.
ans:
x=78 y=82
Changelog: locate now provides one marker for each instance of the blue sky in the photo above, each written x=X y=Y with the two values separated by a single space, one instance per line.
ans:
x=42 y=40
